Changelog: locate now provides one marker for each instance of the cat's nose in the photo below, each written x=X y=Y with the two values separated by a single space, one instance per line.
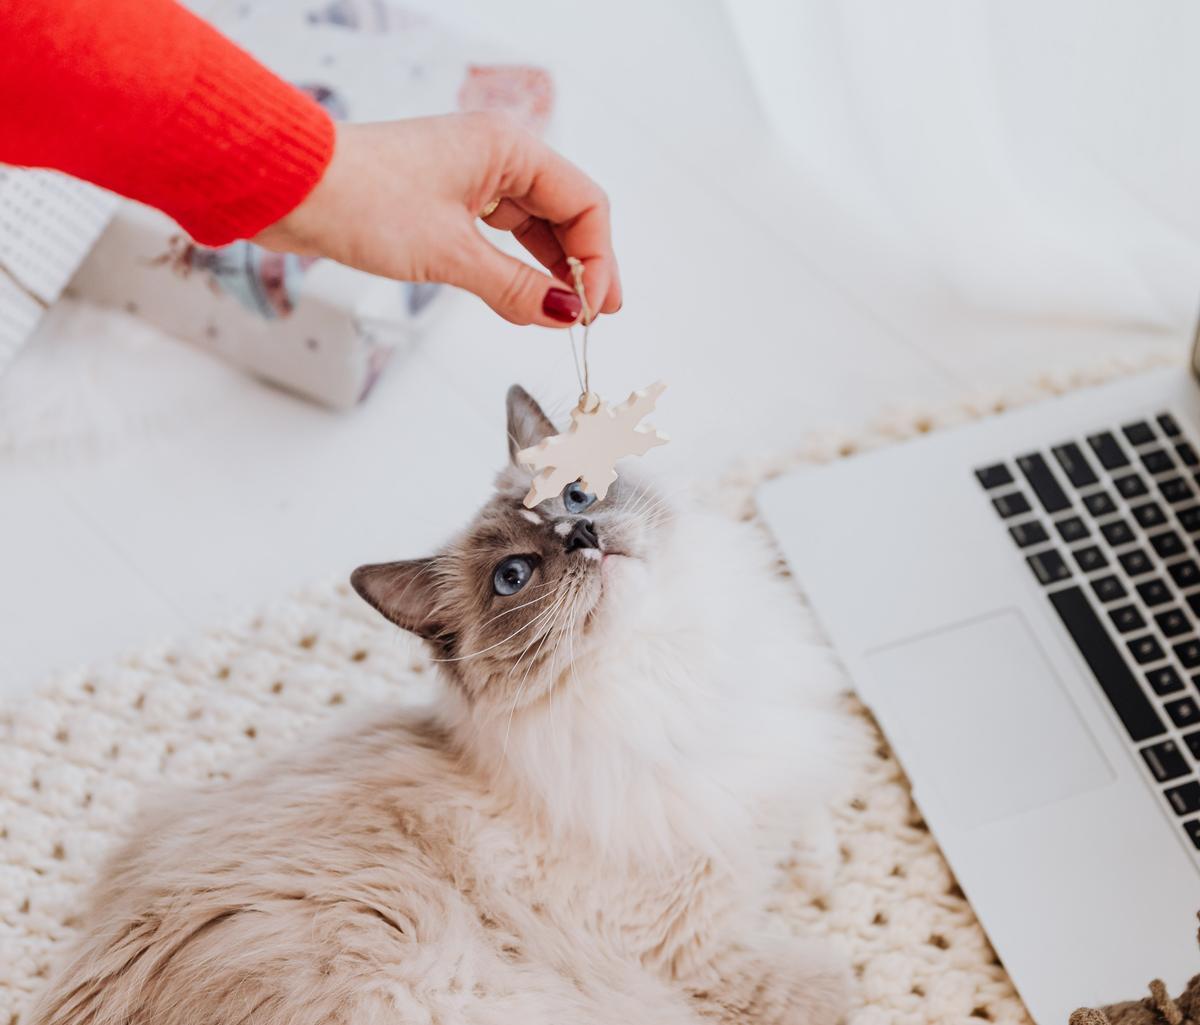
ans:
x=583 y=535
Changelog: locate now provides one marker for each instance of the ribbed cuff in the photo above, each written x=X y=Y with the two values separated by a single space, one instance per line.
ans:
x=144 y=98
x=246 y=147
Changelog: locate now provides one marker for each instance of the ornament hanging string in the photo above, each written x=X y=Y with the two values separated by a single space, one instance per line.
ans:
x=587 y=401
x=599 y=434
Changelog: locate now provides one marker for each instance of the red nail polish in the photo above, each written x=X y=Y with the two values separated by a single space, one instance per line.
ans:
x=561 y=305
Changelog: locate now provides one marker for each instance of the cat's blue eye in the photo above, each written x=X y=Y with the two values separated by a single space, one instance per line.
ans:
x=575 y=499
x=511 y=575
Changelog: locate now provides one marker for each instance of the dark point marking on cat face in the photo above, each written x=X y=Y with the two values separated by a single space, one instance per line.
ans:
x=518 y=595
x=527 y=424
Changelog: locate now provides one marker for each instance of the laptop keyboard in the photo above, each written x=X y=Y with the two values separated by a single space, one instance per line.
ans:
x=1109 y=526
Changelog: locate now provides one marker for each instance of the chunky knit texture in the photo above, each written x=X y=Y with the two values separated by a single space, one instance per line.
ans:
x=149 y=101
x=78 y=756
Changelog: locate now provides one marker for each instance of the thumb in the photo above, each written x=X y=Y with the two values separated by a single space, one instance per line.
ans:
x=513 y=289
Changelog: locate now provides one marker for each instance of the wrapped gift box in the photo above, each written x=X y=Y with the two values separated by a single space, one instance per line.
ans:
x=312 y=326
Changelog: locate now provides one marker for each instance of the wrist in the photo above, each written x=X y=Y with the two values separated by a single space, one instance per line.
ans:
x=300 y=230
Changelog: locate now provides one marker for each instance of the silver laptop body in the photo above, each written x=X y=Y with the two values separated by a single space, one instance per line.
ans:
x=1037 y=677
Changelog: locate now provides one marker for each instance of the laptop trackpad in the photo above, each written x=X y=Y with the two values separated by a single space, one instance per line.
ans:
x=983 y=721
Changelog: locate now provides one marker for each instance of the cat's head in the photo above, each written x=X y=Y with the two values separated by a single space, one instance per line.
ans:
x=510 y=604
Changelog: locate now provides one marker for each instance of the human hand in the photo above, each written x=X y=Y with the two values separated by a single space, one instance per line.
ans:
x=400 y=199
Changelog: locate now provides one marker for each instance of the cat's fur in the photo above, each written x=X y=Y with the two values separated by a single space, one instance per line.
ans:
x=581 y=832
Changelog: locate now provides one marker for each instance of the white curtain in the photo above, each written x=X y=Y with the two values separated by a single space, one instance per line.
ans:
x=1039 y=159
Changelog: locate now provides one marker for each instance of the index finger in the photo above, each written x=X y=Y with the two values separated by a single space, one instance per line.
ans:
x=576 y=209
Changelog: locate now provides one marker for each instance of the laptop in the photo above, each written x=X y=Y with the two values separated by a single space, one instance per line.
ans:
x=1017 y=602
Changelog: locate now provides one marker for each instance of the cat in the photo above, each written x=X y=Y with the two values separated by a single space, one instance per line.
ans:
x=582 y=830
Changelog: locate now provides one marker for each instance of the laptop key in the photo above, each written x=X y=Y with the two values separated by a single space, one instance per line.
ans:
x=1146 y=649
x=1108 y=450
x=1184 y=712
x=1176 y=490
x=1049 y=566
x=994 y=476
x=1135 y=563
x=1140 y=433
x=1165 y=761
x=1185 y=574
x=1157 y=460
x=1168 y=544
x=1193 y=742
x=1026 y=534
x=1193 y=601
x=1189 y=519
x=1188 y=654
x=1117 y=533
x=1011 y=505
x=1154 y=592
x=1185 y=798
x=1192 y=828
x=1173 y=622
x=1108 y=589
x=1108 y=666
x=1164 y=681
x=1089 y=559
x=1075 y=465
x=1037 y=471
x=1168 y=425
x=1131 y=485
x=1187 y=454
x=1126 y=618
x=1100 y=504
x=1149 y=515
x=1072 y=529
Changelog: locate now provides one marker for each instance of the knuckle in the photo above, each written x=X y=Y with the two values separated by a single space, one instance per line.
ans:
x=513 y=294
x=456 y=260
x=493 y=125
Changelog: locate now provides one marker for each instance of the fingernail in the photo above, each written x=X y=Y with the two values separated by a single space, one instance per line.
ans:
x=561 y=305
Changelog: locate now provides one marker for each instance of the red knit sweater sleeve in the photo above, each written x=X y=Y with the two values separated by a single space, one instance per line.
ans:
x=144 y=98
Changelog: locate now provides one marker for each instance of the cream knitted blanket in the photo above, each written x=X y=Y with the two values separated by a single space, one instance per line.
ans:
x=78 y=756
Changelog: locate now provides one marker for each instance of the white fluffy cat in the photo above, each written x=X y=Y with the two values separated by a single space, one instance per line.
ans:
x=632 y=732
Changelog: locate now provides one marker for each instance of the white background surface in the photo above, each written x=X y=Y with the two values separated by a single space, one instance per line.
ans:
x=767 y=310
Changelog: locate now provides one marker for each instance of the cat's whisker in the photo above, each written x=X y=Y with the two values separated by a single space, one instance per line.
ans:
x=642 y=496
x=658 y=515
x=662 y=503
x=554 y=676
x=661 y=517
x=572 y=592
x=554 y=671
x=520 y=689
x=491 y=647
x=571 y=646
x=517 y=608
x=569 y=635
x=659 y=503
x=651 y=499
x=638 y=492
x=542 y=631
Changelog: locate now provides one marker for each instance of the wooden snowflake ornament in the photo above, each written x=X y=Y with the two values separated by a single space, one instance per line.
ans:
x=588 y=450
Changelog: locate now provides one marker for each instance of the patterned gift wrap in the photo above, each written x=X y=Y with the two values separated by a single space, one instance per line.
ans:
x=315 y=328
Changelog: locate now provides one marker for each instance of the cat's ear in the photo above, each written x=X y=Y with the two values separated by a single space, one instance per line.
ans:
x=527 y=424
x=405 y=592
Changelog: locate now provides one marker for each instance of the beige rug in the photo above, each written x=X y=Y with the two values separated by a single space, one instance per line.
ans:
x=76 y=758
